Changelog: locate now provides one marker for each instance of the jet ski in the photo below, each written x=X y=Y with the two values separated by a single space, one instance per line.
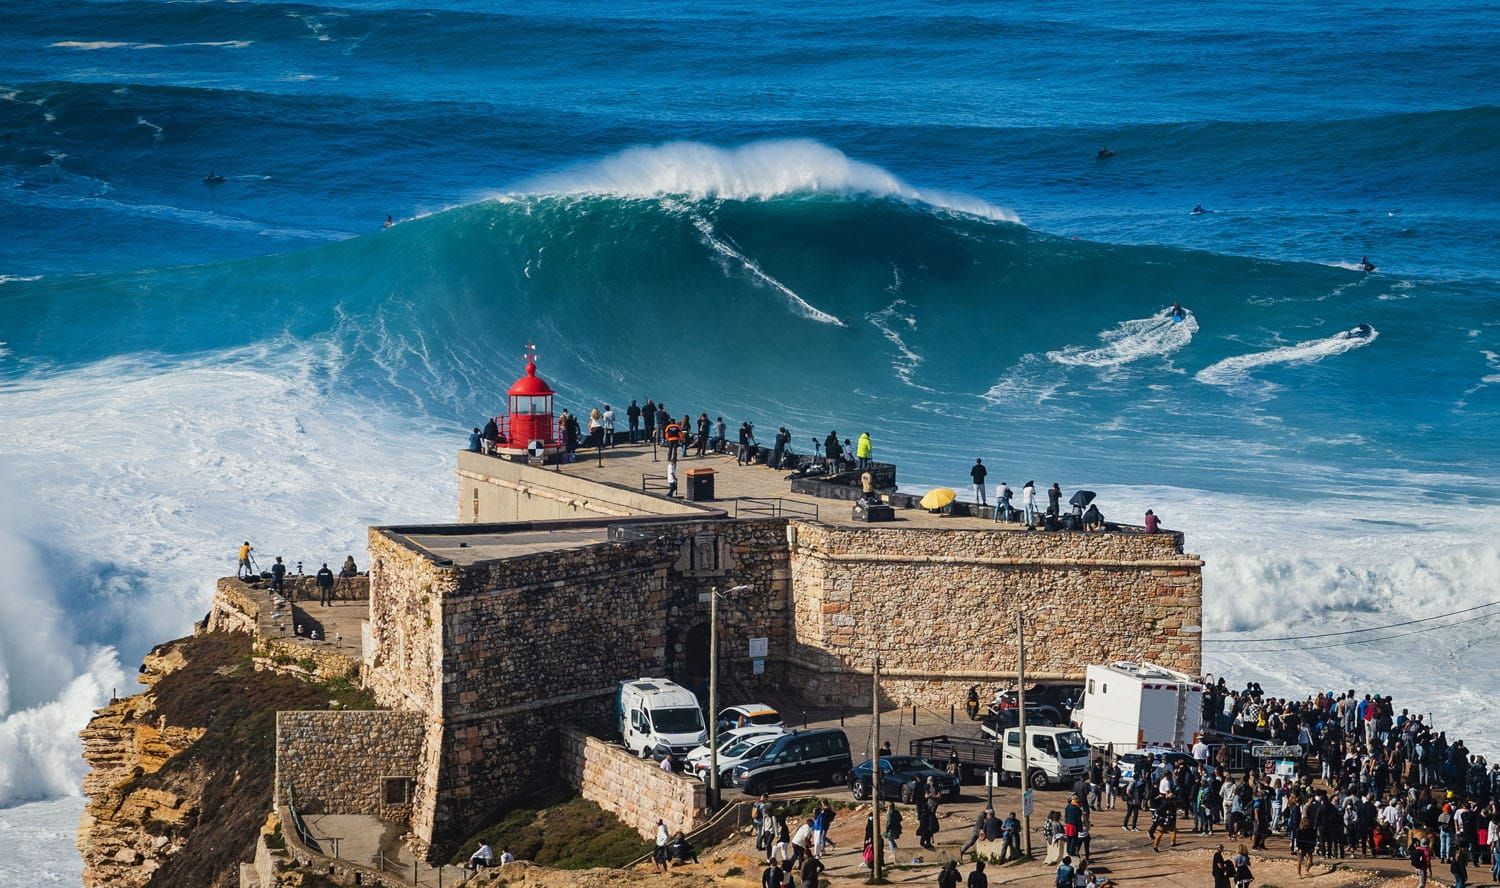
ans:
x=1362 y=331
x=1104 y=153
x=1197 y=210
x=213 y=179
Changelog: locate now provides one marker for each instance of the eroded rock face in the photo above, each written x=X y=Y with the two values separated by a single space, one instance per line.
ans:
x=128 y=828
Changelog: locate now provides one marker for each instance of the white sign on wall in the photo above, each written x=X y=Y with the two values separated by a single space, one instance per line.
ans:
x=760 y=647
x=758 y=666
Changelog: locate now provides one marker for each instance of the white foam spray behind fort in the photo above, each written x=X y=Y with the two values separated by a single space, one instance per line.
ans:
x=126 y=487
x=756 y=171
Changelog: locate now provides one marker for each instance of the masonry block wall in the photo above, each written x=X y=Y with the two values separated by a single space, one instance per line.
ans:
x=634 y=790
x=341 y=762
x=500 y=653
x=941 y=607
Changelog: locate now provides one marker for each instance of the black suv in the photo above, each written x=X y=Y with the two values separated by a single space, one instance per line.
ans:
x=820 y=757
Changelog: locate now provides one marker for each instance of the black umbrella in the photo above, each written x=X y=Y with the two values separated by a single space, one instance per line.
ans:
x=1082 y=498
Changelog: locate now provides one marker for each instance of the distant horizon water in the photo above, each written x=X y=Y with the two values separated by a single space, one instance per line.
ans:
x=888 y=218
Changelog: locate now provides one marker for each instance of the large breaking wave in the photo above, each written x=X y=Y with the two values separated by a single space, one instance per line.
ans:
x=154 y=419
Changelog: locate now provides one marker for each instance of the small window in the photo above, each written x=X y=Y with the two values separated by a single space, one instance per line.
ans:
x=1013 y=738
x=1091 y=686
x=396 y=790
x=1106 y=688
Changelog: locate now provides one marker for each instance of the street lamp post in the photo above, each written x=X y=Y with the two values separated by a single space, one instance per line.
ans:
x=1026 y=788
x=713 y=691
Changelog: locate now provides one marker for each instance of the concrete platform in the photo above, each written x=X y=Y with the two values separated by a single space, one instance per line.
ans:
x=750 y=491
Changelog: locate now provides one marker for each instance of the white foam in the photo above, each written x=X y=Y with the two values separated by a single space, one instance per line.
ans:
x=92 y=45
x=906 y=361
x=156 y=131
x=757 y=171
x=798 y=305
x=126 y=486
x=1235 y=370
x=1131 y=340
x=38 y=839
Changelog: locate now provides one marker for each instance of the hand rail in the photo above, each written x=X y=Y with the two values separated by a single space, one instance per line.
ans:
x=774 y=507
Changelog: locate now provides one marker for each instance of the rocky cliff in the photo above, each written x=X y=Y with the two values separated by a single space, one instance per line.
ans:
x=180 y=774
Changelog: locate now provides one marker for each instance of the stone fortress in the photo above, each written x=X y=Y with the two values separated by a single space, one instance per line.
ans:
x=490 y=640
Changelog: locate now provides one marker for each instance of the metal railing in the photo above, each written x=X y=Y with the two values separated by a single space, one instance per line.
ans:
x=774 y=507
x=304 y=835
x=654 y=483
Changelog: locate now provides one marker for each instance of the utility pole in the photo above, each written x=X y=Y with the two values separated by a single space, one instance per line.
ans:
x=713 y=698
x=877 y=876
x=1021 y=724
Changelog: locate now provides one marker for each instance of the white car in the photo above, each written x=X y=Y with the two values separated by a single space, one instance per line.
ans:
x=733 y=735
x=749 y=715
x=746 y=748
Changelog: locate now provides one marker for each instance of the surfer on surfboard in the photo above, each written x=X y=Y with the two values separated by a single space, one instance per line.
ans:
x=1104 y=153
x=1365 y=264
x=1197 y=210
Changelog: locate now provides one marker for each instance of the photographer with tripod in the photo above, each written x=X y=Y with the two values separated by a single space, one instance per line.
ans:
x=246 y=567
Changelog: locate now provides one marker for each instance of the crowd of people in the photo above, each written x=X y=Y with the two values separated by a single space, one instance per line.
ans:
x=324 y=579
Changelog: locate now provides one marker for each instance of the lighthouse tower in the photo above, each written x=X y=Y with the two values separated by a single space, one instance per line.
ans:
x=529 y=428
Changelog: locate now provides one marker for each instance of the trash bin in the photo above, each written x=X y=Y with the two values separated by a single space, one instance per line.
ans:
x=700 y=484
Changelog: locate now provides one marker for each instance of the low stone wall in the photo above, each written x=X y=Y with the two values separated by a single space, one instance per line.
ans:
x=635 y=790
x=303 y=658
x=338 y=761
x=236 y=607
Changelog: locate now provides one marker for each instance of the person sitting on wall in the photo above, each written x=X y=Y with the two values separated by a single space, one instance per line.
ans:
x=506 y=857
x=1093 y=519
x=480 y=859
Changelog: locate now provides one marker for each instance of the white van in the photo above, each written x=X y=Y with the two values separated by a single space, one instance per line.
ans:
x=1059 y=756
x=657 y=716
x=1133 y=705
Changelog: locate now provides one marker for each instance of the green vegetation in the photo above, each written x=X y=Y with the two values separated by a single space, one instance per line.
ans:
x=562 y=831
x=734 y=871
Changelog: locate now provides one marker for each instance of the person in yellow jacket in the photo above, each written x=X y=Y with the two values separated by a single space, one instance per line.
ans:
x=862 y=450
x=245 y=570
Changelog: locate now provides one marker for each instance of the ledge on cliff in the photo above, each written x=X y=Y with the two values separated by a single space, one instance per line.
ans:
x=206 y=690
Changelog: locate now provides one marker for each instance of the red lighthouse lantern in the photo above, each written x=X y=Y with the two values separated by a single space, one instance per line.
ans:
x=529 y=426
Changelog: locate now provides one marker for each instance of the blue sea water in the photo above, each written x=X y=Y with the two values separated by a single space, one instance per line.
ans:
x=871 y=216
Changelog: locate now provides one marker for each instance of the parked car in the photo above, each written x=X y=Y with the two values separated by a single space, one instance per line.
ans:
x=745 y=748
x=897 y=774
x=749 y=715
x=819 y=756
x=731 y=736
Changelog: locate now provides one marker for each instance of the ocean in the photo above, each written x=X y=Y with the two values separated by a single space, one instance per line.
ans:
x=888 y=217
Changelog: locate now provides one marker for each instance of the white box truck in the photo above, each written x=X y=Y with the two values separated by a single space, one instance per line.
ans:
x=1058 y=756
x=657 y=716
x=1133 y=705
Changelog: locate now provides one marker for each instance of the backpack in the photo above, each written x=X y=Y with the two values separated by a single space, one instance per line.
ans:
x=1418 y=858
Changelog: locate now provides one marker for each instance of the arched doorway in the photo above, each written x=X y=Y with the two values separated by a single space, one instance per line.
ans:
x=690 y=656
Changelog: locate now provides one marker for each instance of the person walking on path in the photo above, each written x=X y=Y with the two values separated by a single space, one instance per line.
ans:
x=1243 y=876
x=245 y=570
x=978 y=879
x=659 y=854
x=948 y=876
x=978 y=473
x=862 y=450
x=325 y=585
x=1421 y=861
x=671 y=478
x=1222 y=870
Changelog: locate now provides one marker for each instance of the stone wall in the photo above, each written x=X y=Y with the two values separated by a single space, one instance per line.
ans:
x=304 y=658
x=236 y=607
x=635 y=790
x=941 y=607
x=338 y=761
x=528 y=643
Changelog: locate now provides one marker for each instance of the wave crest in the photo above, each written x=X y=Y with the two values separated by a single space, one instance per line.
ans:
x=755 y=171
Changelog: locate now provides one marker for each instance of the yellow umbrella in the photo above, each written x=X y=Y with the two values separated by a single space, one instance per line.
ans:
x=937 y=498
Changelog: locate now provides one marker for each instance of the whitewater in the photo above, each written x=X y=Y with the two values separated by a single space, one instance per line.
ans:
x=812 y=218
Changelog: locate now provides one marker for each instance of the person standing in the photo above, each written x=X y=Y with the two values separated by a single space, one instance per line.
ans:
x=862 y=450
x=672 y=435
x=648 y=420
x=1166 y=822
x=609 y=426
x=1242 y=874
x=662 y=418
x=977 y=879
x=278 y=576
x=702 y=441
x=978 y=473
x=1421 y=861
x=1222 y=870
x=245 y=570
x=1003 y=493
x=720 y=436
x=1028 y=502
x=659 y=853
x=948 y=876
x=1459 y=867
x=596 y=428
x=325 y=585
x=1054 y=500
x=1065 y=873
x=633 y=418
x=490 y=437
x=671 y=478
